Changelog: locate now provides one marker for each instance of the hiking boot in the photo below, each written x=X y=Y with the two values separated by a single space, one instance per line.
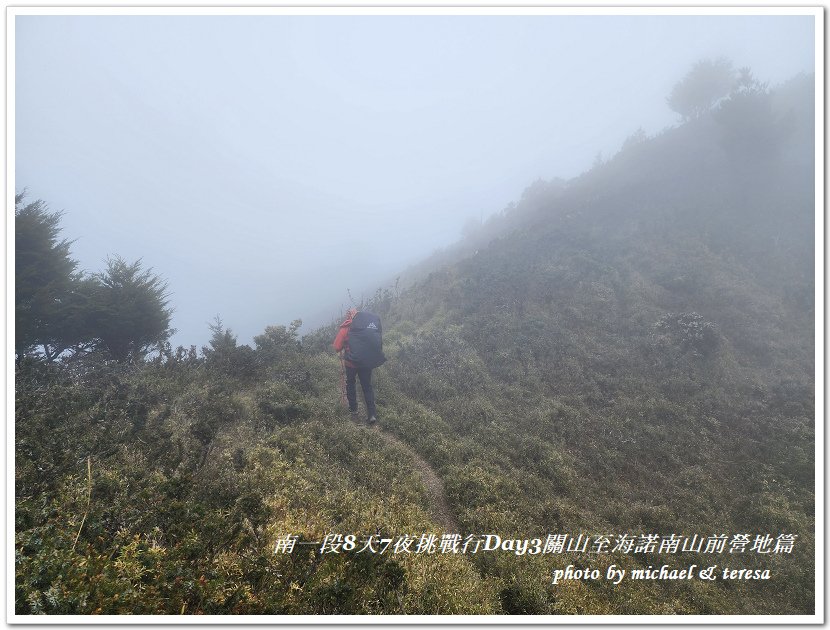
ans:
x=353 y=415
x=371 y=421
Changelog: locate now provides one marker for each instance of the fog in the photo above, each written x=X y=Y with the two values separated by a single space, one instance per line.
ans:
x=268 y=166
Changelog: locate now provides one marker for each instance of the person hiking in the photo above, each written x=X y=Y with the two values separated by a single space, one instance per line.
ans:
x=360 y=345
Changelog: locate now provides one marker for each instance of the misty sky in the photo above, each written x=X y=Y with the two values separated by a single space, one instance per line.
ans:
x=264 y=165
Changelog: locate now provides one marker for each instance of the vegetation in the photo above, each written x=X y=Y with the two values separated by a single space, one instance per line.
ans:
x=44 y=280
x=627 y=353
x=122 y=311
x=706 y=83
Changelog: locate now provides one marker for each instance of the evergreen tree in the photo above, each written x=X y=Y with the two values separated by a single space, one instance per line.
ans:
x=47 y=287
x=752 y=132
x=130 y=309
x=278 y=342
x=225 y=356
x=706 y=83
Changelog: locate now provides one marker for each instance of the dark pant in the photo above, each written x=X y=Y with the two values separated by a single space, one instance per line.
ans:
x=365 y=375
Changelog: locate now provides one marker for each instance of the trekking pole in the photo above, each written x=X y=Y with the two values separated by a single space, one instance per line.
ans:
x=343 y=399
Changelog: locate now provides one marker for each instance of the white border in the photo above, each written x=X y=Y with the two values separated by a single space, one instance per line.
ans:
x=819 y=390
x=419 y=619
x=467 y=9
x=8 y=365
x=404 y=10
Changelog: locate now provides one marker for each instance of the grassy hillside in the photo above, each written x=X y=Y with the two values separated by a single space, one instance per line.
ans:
x=624 y=354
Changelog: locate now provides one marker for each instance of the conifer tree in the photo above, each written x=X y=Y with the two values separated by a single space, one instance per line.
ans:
x=131 y=313
x=47 y=287
x=705 y=84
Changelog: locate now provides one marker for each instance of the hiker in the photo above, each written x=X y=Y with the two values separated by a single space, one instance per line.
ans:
x=359 y=343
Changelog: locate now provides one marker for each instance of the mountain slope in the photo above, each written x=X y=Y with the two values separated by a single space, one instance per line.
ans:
x=628 y=354
x=637 y=352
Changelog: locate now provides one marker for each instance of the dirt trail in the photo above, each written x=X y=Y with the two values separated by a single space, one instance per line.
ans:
x=441 y=511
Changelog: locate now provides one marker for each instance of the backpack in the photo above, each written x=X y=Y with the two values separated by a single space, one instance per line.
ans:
x=365 y=344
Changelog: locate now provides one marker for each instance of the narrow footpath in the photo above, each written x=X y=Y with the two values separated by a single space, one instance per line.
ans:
x=441 y=511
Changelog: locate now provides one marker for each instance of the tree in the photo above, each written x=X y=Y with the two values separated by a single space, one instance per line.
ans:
x=47 y=287
x=635 y=139
x=222 y=341
x=747 y=85
x=751 y=130
x=705 y=84
x=225 y=356
x=278 y=342
x=130 y=313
